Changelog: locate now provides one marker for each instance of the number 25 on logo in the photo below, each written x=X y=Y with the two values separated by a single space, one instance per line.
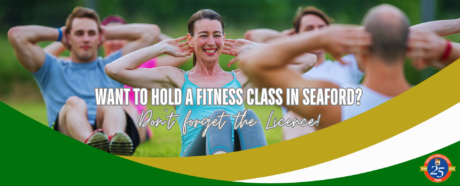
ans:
x=437 y=168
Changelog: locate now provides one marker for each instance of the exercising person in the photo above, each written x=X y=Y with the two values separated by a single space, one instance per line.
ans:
x=381 y=46
x=114 y=45
x=110 y=46
x=68 y=86
x=309 y=19
x=346 y=70
x=206 y=40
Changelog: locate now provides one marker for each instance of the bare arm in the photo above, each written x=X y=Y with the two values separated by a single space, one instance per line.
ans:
x=239 y=46
x=429 y=44
x=124 y=69
x=55 y=48
x=164 y=37
x=138 y=35
x=300 y=64
x=172 y=61
x=303 y=63
x=266 y=65
x=432 y=47
x=24 y=39
x=441 y=27
x=453 y=56
x=428 y=48
x=262 y=35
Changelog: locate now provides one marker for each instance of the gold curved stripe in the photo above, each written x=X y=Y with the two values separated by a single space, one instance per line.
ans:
x=405 y=111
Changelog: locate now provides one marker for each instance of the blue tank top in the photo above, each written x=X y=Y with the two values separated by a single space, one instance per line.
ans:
x=201 y=111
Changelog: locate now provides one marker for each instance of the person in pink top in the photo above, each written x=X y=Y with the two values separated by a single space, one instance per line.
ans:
x=114 y=45
x=148 y=64
x=110 y=46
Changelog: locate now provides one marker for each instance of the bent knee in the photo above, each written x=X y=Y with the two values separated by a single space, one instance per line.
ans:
x=75 y=102
x=112 y=108
x=250 y=114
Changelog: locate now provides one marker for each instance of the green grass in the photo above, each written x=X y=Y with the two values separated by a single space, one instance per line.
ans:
x=165 y=143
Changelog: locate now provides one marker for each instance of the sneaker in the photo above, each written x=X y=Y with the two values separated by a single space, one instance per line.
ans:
x=98 y=140
x=121 y=144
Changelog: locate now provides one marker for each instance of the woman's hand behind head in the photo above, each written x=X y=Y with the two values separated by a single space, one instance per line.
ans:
x=176 y=48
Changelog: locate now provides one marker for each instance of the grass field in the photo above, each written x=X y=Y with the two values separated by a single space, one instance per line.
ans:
x=165 y=143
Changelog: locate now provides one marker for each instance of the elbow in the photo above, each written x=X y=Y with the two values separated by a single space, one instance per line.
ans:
x=256 y=62
x=14 y=34
x=247 y=35
x=245 y=66
x=156 y=29
x=153 y=29
x=313 y=59
x=152 y=34
x=310 y=63
x=458 y=23
x=249 y=66
x=110 y=71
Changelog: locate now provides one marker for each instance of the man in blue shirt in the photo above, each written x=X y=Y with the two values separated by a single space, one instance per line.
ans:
x=68 y=86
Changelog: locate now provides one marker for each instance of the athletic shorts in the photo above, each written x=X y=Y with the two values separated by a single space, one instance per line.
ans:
x=130 y=129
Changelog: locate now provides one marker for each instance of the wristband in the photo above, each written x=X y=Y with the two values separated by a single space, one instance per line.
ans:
x=447 y=51
x=60 y=35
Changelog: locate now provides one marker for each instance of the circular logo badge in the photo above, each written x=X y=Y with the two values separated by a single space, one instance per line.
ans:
x=437 y=168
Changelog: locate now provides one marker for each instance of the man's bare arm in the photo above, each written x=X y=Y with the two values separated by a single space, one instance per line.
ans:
x=267 y=66
x=303 y=63
x=232 y=47
x=441 y=27
x=262 y=35
x=55 y=48
x=138 y=35
x=429 y=49
x=24 y=39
